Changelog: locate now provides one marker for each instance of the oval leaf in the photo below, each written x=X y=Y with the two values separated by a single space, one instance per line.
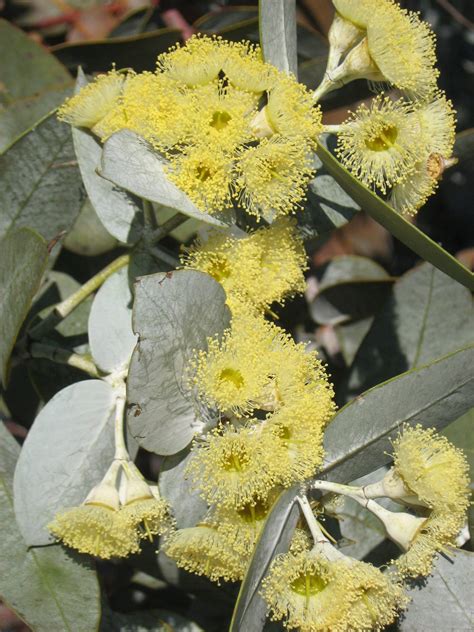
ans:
x=188 y=506
x=412 y=328
x=27 y=67
x=401 y=228
x=23 y=259
x=67 y=451
x=89 y=236
x=172 y=316
x=47 y=587
x=445 y=601
x=358 y=439
x=110 y=323
x=119 y=211
x=278 y=33
x=40 y=181
x=350 y=288
x=129 y=162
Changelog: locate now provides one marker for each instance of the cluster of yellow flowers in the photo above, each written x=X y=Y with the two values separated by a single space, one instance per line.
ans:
x=112 y=524
x=271 y=395
x=235 y=130
x=201 y=110
x=317 y=588
x=399 y=146
x=431 y=476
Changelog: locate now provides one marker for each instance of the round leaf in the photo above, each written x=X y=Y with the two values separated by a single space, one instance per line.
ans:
x=110 y=323
x=173 y=314
x=67 y=451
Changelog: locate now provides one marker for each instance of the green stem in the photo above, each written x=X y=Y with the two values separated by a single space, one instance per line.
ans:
x=121 y=452
x=63 y=356
x=149 y=216
x=167 y=227
x=63 y=309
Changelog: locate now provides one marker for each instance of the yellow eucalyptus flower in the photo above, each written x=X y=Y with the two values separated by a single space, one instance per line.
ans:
x=403 y=48
x=202 y=550
x=258 y=269
x=432 y=469
x=380 y=144
x=291 y=110
x=360 y=12
x=196 y=63
x=423 y=544
x=233 y=375
x=220 y=115
x=205 y=174
x=234 y=468
x=95 y=526
x=273 y=176
x=94 y=101
x=410 y=195
x=270 y=263
x=143 y=510
x=313 y=594
x=300 y=435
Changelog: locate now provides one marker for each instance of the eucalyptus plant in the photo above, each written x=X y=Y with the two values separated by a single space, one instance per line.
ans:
x=174 y=348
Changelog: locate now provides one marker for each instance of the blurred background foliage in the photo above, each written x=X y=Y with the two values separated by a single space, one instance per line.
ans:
x=360 y=289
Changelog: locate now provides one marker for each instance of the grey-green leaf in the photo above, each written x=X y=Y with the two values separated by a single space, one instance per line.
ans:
x=110 y=323
x=327 y=207
x=23 y=258
x=118 y=210
x=250 y=608
x=401 y=228
x=40 y=181
x=414 y=327
x=89 y=236
x=129 y=162
x=351 y=288
x=21 y=115
x=445 y=602
x=278 y=33
x=187 y=505
x=173 y=314
x=358 y=438
x=27 y=67
x=65 y=454
x=9 y=451
x=46 y=587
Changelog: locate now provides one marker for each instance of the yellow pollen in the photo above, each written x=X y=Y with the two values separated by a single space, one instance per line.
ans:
x=233 y=376
x=384 y=140
x=220 y=120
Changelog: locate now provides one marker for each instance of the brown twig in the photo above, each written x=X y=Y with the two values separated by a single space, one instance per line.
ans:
x=456 y=14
